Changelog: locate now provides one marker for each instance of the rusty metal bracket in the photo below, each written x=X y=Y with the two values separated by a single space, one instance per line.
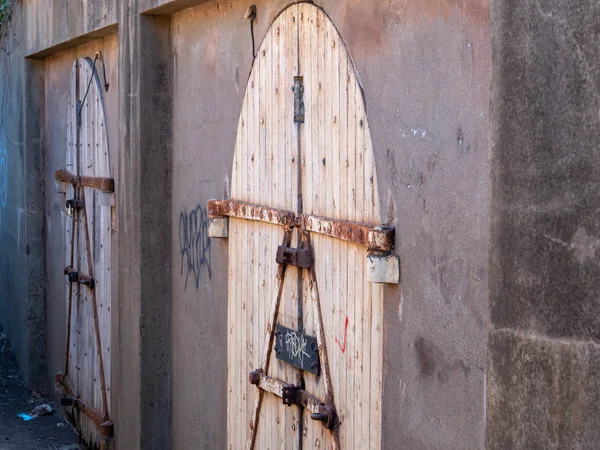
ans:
x=299 y=257
x=73 y=204
x=103 y=184
x=295 y=395
x=74 y=276
x=68 y=398
x=379 y=240
x=290 y=395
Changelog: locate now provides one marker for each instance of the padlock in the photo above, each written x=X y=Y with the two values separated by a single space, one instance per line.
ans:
x=69 y=209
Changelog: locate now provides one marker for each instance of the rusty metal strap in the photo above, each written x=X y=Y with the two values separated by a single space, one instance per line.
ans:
x=377 y=239
x=293 y=395
x=103 y=424
x=103 y=184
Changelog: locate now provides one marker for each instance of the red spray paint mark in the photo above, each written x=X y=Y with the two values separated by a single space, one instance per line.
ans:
x=343 y=347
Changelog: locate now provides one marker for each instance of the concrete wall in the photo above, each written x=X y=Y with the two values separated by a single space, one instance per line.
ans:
x=177 y=81
x=425 y=71
x=425 y=68
x=20 y=212
x=545 y=229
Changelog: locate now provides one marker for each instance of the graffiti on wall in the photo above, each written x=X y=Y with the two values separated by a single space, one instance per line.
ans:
x=194 y=244
x=3 y=180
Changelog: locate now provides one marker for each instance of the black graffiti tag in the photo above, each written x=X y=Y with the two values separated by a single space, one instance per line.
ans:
x=194 y=243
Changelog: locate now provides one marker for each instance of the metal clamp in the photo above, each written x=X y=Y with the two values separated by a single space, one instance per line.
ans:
x=74 y=276
x=300 y=257
x=73 y=204
x=290 y=395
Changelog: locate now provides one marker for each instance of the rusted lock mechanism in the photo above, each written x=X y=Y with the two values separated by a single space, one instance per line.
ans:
x=299 y=257
x=73 y=204
x=74 y=276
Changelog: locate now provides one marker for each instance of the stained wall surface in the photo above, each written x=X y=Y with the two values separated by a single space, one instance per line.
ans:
x=424 y=68
x=15 y=248
x=545 y=228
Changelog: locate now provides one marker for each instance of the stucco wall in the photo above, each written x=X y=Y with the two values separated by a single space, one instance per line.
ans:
x=425 y=71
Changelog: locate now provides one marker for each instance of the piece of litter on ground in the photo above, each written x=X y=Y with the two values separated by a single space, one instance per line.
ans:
x=60 y=425
x=26 y=417
x=42 y=410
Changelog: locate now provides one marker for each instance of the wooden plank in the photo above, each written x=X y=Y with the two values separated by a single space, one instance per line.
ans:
x=88 y=168
x=344 y=273
x=333 y=191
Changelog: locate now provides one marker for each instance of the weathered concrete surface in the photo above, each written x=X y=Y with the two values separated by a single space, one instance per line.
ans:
x=545 y=232
x=544 y=393
x=53 y=25
x=546 y=168
x=22 y=291
x=143 y=374
x=425 y=71
x=57 y=84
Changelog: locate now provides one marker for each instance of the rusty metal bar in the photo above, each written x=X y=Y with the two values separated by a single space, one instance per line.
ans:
x=104 y=425
x=70 y=307
x=318 y=408
x=250 y=211
x=103 y=184
x=377 y=239
x=95 y=310
x=253 y=426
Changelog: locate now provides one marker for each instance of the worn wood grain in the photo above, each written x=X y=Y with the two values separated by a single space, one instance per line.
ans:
x=327 y=161
x=88 y=168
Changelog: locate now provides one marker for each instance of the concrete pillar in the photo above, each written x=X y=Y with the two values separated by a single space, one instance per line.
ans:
x=544 y=344
x=143 y=369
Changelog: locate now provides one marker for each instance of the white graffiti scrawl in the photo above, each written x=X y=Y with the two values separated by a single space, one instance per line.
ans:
x=295 y=345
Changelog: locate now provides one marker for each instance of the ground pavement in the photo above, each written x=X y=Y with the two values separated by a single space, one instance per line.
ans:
x=41 y=433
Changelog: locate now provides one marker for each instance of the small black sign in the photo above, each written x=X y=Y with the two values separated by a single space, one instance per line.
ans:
x=297 y=349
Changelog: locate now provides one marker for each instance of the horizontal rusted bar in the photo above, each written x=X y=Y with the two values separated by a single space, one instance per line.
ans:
x=104 y=424
x=104 y=184
x=249 y=211
x=309 y=401
x=377 y=239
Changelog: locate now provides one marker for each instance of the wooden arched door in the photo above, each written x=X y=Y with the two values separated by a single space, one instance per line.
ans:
x=303 y=156
x=89 y=198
